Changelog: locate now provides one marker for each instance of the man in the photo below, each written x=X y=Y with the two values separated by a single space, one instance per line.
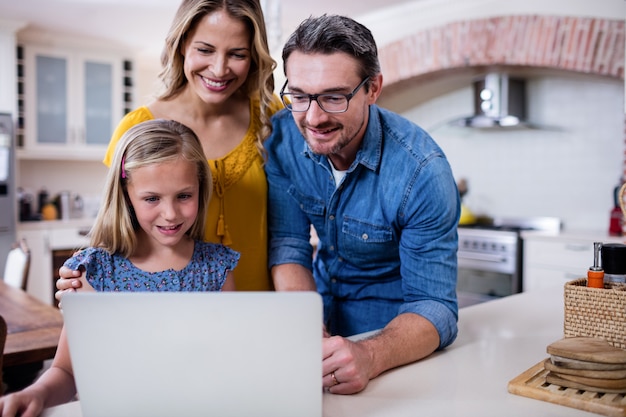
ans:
x=381 y=196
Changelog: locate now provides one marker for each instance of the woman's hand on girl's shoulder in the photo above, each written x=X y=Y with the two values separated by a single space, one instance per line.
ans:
x=69 y=281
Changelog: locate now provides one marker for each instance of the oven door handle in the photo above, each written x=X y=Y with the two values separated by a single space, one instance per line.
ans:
x=481 y=257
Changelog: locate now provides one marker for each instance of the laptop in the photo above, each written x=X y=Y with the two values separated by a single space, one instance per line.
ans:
x=239 y=354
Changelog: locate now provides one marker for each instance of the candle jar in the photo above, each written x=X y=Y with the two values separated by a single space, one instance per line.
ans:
x=614 y=263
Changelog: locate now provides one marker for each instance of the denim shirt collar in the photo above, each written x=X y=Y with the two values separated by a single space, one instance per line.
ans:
x=370 y=152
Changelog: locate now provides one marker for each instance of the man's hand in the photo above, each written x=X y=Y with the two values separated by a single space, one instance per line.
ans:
x=346 y=366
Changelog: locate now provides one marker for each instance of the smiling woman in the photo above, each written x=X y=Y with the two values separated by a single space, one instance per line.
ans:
x=217 y=79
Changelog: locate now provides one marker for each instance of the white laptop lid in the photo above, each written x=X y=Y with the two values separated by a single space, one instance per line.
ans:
x=237 y=354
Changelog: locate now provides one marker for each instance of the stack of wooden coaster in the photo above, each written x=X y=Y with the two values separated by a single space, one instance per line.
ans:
x=587 y=363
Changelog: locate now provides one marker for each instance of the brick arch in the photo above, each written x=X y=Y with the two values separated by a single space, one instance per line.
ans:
x=587 y=45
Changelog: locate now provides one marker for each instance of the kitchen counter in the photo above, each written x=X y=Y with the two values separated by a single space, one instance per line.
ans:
x=82 y=223
x=574 y=235
x=497 y=341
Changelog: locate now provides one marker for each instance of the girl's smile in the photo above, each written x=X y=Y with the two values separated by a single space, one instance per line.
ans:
x=164 y=197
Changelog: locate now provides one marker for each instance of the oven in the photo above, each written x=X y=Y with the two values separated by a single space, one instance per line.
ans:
x=489 y=265
x=490 y=258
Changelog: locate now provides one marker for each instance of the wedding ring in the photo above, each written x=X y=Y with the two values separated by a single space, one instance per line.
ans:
x=334 y=378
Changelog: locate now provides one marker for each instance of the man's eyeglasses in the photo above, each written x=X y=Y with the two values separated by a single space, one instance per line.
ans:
x=329 y=102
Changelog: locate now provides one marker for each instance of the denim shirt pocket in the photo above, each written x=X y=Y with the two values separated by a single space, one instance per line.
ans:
x=367 y=243
x=313 y=207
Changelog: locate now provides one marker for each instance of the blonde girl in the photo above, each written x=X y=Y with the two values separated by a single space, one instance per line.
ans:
x=147 y=237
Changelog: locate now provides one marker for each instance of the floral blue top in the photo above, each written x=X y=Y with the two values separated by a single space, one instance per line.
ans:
x=205 y=272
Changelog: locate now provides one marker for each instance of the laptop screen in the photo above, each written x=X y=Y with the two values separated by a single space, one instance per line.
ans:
x=196 y=354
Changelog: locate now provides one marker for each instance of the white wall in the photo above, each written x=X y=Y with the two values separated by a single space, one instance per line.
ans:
x=569 y=172
x=147 y=82
x=398 y=21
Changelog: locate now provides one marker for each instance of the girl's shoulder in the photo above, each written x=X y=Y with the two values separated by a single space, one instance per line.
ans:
x=210 y=266
x=87 y=257
x=215 y=252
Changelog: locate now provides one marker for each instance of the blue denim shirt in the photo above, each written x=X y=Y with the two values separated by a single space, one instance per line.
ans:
x=388 y=236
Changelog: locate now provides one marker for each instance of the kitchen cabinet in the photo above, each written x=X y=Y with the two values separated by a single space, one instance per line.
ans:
x=551 y=260
x=70 y=100
x=50 y=243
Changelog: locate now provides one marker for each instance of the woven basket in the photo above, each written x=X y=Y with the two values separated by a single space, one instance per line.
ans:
x=596 y=312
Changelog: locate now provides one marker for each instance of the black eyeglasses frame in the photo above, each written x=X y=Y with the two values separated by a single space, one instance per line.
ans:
x=312 y=97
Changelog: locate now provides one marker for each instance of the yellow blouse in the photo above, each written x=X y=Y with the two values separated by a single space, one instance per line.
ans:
x=237 y=215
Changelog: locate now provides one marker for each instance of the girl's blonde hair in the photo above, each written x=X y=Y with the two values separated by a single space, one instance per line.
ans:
x=260 y=80
x=147 y=143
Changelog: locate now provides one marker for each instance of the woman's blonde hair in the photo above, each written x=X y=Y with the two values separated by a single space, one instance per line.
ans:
x=260 y=80
x=151 y=142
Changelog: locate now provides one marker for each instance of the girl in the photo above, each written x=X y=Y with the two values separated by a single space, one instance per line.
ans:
x=147 y=237
x=217 y=79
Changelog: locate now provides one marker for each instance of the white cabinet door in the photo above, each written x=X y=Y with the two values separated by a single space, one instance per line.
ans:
x=542 y=277
x=550 y=261
x=560 y=253
x=47 y=91
x=101 y=89
x=73 y=100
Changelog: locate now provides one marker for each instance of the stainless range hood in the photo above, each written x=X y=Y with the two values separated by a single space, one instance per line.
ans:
x=499 y=103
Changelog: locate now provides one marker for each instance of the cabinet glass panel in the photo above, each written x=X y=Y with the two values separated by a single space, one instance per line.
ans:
x=98 y=102
x=51 y=99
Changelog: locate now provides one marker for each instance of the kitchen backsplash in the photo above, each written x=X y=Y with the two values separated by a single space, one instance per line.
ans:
x=84 y=179
x=569 y=172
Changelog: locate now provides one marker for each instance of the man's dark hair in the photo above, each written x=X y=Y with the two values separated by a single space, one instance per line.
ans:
x=328 y=34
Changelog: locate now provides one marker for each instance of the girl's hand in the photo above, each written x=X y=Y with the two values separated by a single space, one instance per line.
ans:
x=22 y=403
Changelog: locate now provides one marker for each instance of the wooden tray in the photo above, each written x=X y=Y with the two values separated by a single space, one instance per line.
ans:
x=532 y=384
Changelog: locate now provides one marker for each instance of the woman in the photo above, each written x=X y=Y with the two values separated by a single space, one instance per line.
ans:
x=217 y=79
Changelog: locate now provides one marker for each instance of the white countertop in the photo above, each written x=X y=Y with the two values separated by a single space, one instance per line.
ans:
x=81 y=223
x=497 y=341
x=574 y=235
